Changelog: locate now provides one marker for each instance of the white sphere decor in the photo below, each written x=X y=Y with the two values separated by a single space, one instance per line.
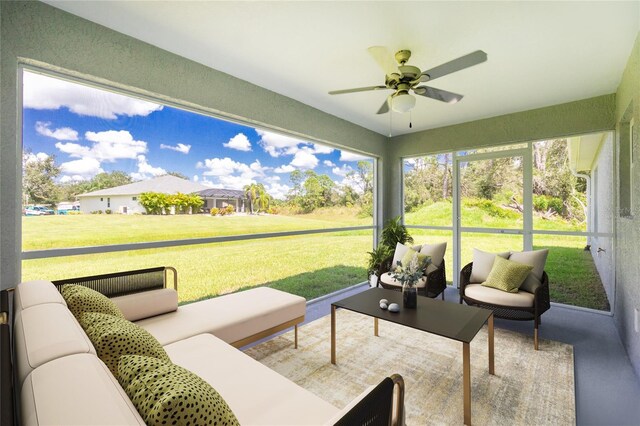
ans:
x=394 y=307
x=385 y=301
x=383 y=305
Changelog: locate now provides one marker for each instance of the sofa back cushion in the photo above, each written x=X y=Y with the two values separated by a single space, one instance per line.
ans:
x=164 y=393
x=46 y=332
x=507 y=275
x=536 y=259
x=147 y=304
x=114 y=337
x=31 y=293
x=81 y=299
x=482 y=264
x=75 y=390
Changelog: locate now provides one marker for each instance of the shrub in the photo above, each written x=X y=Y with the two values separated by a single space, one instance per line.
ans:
x=222 y=212
x=230 y=209
x=108 y=211
x=273 y=210
x=214 y=211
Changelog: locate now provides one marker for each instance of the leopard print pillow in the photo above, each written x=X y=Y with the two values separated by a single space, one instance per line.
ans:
x=164 y=393
x=81 y=299
x=113 y=337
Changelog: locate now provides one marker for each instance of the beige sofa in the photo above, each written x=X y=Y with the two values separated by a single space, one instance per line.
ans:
x=60 y=379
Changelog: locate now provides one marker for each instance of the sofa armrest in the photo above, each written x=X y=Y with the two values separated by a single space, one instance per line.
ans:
x=465 y=276
x=147 y=304
x=381 y=405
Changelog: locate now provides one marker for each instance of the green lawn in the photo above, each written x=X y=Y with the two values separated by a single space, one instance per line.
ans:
x=308 y=265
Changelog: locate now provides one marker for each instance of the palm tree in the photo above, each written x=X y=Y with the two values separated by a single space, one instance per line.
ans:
x=251 y=191
x=263 y=198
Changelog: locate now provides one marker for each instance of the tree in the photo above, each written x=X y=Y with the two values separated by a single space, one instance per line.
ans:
x=251 y=192
x=103 y=180
x=38 y=185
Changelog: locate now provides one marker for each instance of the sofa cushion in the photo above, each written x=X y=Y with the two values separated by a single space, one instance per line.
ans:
x=165 y=393
x=114 y=337
x=388 y=279
x=423 y=259
x=398 y=254
x=75 y=390
x=256 y=394
x=482 y=264
x=147 y=304
x=521 y=299
x=31 y=293
x=232 y=318
x=46 y=332
x=507 y=275
x=81 y=299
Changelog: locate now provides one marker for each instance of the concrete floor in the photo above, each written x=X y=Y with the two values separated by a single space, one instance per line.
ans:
x=607 y=389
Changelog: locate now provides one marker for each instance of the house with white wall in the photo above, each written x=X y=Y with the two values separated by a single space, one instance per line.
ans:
x=125 y=198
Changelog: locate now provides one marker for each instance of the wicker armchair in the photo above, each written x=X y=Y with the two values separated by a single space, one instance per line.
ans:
x=541 y=302
x=436 y=280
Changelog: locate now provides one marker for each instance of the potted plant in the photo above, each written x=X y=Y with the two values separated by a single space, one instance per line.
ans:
x=392 y=233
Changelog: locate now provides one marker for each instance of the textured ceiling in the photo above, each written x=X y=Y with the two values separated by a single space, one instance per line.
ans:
x=540 y=53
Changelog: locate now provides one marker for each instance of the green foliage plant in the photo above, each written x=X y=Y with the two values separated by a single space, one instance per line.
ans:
x=230 y=209
x=214 y=211
x=395 y=232
x=376 y=257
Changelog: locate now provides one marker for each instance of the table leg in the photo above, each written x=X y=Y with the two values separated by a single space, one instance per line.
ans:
x=491 y=362
x=295 y=328
x=375 y=327
x=466 y=383
x=333 y=334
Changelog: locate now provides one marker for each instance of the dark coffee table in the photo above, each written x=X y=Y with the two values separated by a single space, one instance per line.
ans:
x=450 y=320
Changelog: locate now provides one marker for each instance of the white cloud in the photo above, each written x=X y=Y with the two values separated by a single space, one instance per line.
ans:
x=329 y=163
x=196 y=178
x=146 y=170
x=235 y=181
x=42 y=92
x=32 y=158
x=239 y=142
x=278 y=191
x=284 y=169
x=73 y=178
x=276 y=144
x=271 y=179
x=221 y=166
x=321 y=149
x=113 y=145
x=61 y=134
x=82 y=169
x=342 y=171
x=304 y=160
x=350 y=156
x=183 y=148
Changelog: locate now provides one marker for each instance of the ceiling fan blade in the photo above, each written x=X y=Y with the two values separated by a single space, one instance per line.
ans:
x=384 y=58
x=358 y=89
x=385 y=106
x=437 y=94
x=461 y=63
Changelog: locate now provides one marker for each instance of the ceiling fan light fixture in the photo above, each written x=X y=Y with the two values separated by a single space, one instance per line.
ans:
x=403 y=102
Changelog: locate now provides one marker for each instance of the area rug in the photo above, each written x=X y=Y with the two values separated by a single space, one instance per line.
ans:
x=530 y=387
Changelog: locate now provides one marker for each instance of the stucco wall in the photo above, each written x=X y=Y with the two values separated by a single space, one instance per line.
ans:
x=41 y=35
x=603 y=201
x=628 y=227
x=114 y=203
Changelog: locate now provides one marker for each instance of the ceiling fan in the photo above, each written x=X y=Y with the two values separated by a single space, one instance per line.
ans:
x=403 y=78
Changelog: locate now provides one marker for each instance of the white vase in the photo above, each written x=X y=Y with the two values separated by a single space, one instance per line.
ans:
x=373 y=280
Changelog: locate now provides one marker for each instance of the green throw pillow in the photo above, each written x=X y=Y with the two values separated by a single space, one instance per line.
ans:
x=423 y=259
x=81 y=299
x=164 y=393
x=507 y=275
x=113 y=337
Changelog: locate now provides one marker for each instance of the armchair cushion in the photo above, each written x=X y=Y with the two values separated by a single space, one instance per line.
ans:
x=482 y=264
x=507 y=275
x=401 y=250
x=535 y=258
x=423 y=259
x=387 y=278
x=81 y=299
x=436 y=251
x=521 y=299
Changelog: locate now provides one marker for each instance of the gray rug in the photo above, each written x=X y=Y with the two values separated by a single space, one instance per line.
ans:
x=530 y=387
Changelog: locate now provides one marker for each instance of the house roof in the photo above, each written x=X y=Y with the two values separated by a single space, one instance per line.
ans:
x=221 y=193
x=166 y=184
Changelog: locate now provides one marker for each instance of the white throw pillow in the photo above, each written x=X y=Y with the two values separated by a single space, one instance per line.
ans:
x=482 y=264
x=436 y=251
x=401 y=250
x=535 y=258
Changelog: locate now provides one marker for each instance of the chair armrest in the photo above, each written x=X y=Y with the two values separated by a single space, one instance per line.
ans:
x=541 y=296
x=465 y=276
x=385 y=266
x=382 y=405
x=437 y=280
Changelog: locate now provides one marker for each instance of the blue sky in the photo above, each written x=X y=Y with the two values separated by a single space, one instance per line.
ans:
x=91 y=130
